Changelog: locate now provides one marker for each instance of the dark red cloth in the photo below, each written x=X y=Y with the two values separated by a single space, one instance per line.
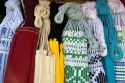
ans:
x=123 y=1
x=21 y=60
x=29 y=14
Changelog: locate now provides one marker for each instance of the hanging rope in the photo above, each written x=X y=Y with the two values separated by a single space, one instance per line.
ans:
x=42 y=12
x=105 y=16
x=74 y=12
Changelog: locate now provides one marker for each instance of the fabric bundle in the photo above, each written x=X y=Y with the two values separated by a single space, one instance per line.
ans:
x=45 y=61
x=96 y=71
x=118 y=12
x=75 y=42
x=8 y=27
x=105 y=16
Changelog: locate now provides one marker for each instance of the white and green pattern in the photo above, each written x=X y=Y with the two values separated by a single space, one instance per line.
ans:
x=76 y=36
x=76 y=59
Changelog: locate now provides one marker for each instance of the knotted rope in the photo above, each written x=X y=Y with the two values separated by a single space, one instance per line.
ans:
x=95 y=25
x=42 y=12
x=76 y=20
x=105 y=16
x=109 y=29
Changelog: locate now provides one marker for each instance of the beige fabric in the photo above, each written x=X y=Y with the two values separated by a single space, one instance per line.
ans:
x=45 y=61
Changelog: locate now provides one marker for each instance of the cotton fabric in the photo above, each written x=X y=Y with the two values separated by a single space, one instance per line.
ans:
x=96 y=71
x=21 y=60
x=10 y=23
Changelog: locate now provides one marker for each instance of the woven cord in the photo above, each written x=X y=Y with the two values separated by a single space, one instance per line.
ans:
x=73 y=11
x=42 y=22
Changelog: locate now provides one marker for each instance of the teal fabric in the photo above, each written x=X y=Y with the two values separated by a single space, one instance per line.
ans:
x=105 y=16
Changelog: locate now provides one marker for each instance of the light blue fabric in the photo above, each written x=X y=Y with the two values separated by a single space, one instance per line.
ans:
x=105 y=16
x=8 y=27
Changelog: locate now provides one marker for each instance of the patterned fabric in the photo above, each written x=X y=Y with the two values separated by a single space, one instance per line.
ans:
x=7 y=29
x=76 y=59
x=96 y=71
x=76 y=36
x=118 y=11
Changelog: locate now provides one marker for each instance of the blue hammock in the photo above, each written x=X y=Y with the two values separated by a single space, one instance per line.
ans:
x=114 y=51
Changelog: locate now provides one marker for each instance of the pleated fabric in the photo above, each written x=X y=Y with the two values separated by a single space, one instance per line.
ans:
x=21 y=60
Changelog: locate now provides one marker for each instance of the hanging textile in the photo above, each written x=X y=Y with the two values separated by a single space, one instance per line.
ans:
x=105 y=16
x=123 y=1
x=118 y=12
x=75 y=41
x=96 y=71
x=8 y=26
x=55 y=41
x=57 y=50
x=20 y=65
x=45 y=61
x=20 y=69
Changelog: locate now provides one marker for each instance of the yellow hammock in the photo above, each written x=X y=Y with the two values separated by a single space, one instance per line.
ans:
x=55 y=49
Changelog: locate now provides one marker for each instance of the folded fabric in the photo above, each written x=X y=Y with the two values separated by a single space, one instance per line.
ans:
x=96 y=71
x=21 y=60
x=11 y=22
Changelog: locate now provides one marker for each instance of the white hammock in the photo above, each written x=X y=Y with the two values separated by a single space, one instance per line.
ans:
x=10 y=23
